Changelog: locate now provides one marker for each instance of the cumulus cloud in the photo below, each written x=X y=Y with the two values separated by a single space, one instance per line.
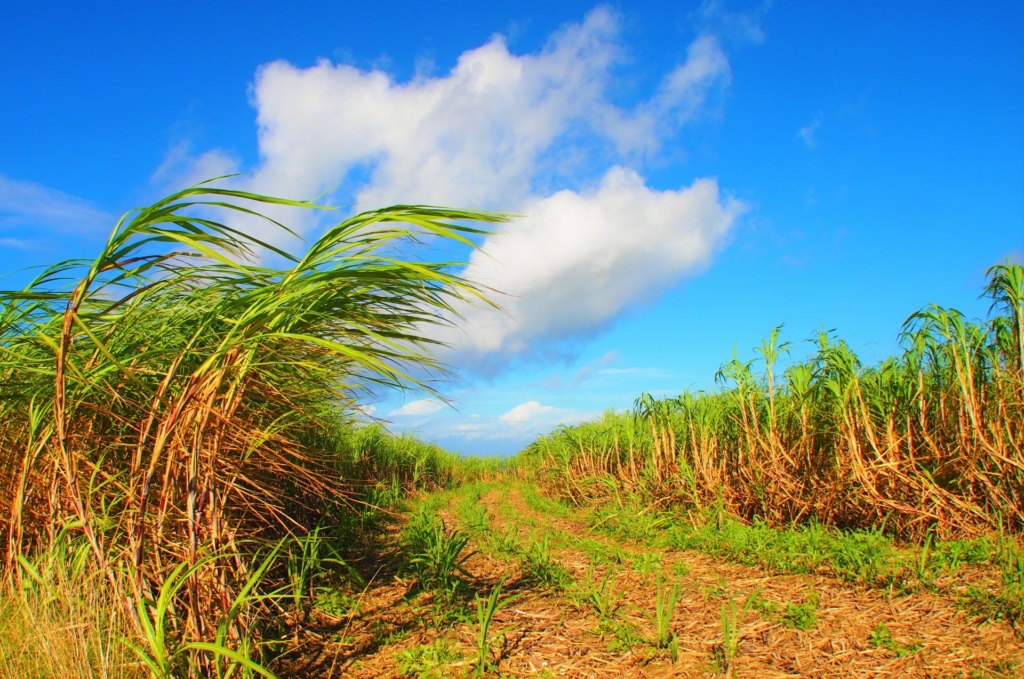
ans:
x=31 y=205
x=417 y=409
x=524 y=412
x=581 y=259
x=536 y=134
x=482 y=135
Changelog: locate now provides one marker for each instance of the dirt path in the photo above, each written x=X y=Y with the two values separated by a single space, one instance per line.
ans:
x=782 y=625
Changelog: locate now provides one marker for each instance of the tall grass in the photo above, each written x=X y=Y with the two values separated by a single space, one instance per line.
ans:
x=177 y=402
x=372 y=456
x=63 y=622
x=926 y=441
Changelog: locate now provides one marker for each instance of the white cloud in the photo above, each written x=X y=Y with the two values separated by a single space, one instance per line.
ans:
x=472 y=137
x=508 y=431
x=744 y=26
x=581 y=259
x=417 y=408
x=181 y=169
x=483 y=135
x=16 y=243
x=524 y=412
x=537 y=134
x=809 y=134
x=26 y=204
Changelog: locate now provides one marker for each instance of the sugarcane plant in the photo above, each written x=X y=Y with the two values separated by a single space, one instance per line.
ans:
x=168 y=400
x=925 y=442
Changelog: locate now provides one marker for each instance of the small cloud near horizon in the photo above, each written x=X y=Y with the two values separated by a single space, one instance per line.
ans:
x=417 y=408
x=524 y=412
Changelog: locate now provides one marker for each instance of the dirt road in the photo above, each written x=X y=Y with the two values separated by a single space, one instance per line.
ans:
x=586 y=605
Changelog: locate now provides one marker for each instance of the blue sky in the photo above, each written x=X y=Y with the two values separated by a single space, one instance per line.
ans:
x=691 y=174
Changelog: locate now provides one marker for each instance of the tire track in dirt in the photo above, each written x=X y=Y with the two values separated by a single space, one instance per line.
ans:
x=547 y=632
x=540 y=634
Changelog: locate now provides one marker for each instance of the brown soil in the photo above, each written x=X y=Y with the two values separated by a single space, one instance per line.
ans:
x=550 y=632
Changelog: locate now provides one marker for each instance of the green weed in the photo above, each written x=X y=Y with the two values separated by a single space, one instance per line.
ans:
x=1003 y=668
x=485 y=610
x=335 y=603
x=730 y=638
x=472 y=513
x=680 y=569
x=433 y=553
x=757 y=602
x=953 y=554
x=801 y=616
x=881 y=637
x=429 y=661
x=167 y=656
x=538 y=565
x=545 y=505
x=1006 y=602
x=601 y=597
x=507 y=543
x=599 y=552
x=310 y=559
x=665 y=600
x=624 y=636
x=385 y=633
x=717 y=590
x=646 y=562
